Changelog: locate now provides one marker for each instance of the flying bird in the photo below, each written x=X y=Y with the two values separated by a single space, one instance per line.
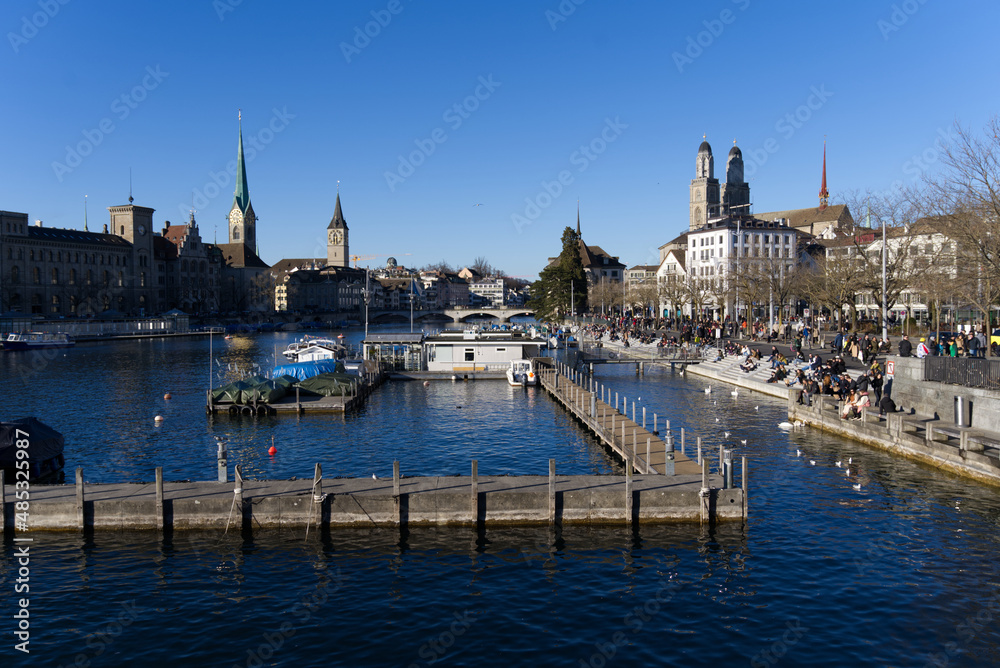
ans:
x=477 y=205
x=838 y=464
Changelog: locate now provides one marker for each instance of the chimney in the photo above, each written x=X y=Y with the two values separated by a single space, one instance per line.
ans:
x=38 y=223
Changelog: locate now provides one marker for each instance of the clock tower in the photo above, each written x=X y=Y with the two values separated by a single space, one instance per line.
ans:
x=242 y=221
x=336 y=238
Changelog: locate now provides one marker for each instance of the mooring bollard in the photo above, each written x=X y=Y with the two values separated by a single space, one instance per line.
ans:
x=628 y=492
x=223 y=464
x=552 y=491
x=474 y=500
x=80 y=520
x=159 y=497
x=729 y=468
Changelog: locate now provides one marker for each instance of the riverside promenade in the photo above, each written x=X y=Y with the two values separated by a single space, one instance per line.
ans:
x=921 y=430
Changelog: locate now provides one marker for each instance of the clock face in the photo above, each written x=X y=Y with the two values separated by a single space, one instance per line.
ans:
x=336 y=236
x=141 y=229
x=235 y=216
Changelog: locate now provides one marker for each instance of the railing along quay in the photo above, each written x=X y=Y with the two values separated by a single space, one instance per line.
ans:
x=640 y=450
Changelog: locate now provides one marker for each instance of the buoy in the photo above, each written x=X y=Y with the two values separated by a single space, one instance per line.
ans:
x=167 y=396
x=158 y=418
x=272 y=450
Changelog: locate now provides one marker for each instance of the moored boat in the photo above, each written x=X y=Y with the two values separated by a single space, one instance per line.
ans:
x=312 y=349
x=521 y=372
x=37 y=341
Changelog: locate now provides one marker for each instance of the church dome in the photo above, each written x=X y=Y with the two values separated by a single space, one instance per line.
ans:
x=390 y=263
x=735 y=152
x=705 y=147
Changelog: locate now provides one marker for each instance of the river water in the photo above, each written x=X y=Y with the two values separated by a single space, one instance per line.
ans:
x=901 y=572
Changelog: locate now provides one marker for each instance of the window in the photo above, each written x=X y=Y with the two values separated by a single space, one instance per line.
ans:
x=470 y=354
x=36 y=275
x=55 y=304
x=55 y=276
x=142 y=279
x=15 y=274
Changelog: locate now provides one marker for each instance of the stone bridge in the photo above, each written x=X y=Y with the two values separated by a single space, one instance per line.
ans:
x=455 y=314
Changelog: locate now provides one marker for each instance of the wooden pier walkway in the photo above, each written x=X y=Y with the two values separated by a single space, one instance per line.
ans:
x=629 y=440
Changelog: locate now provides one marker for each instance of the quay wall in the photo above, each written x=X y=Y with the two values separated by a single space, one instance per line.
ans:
x=909 y=389
x=465 y=500
x=921 y=439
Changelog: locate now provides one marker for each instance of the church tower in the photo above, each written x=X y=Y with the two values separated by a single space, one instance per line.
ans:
x=736 y=191
x=242 y=220
x=336 y=238
x=704 y=203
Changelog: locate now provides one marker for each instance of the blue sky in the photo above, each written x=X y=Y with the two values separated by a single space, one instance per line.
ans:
x=610 y=98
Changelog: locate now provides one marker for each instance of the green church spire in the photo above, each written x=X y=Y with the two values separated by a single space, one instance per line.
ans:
x=241 y=198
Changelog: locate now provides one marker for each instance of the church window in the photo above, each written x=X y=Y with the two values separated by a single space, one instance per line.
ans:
x=142 y=279
x=236 y=234
x=36 y=275
x=55 y=276
x=72 y=276
x=90 y=276
x=15 y=274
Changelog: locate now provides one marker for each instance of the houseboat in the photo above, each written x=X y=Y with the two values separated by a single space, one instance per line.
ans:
x=311 y=350
x=459 y=354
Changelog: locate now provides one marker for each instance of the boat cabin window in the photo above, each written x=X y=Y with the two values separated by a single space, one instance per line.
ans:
x=470 y=354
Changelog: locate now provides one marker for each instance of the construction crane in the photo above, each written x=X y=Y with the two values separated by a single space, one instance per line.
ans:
x=355 y=258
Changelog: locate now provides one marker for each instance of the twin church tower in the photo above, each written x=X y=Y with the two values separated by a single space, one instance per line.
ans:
x=243 y=220
x=708 y=199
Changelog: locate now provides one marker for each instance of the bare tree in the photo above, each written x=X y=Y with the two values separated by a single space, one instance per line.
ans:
x=671 y=291
x=482 y=266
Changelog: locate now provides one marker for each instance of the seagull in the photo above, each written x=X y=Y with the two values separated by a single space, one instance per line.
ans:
x=477 y=205
x=857 y=487
x=850 y=460
x=708 y=390
x=727 y=434
x=756 y=408
x=812 y=462
x=798 y=453
x=735 y=393
x=744 y=441
x=716 y=419
x=374 y=477
x=838 y=464
x=848 y=471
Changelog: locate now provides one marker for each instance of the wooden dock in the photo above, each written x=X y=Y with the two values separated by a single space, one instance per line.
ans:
x=630 y=441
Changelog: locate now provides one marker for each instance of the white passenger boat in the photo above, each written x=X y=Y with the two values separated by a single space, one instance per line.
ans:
x=38 y=341
x=312 y=349
x=521 y=372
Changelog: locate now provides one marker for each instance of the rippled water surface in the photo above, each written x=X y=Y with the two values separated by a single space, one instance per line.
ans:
x=902 y=572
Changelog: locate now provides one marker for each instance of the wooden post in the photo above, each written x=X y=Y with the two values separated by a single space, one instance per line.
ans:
x=3 y=504
x=699 y=460
x=633 y=410
x=628 y=493
x=159 y=498
x=643 y=417
x=474 y=501
x=743 y=484
x=552 y=491
x=395 y=493
x=649 y=444
x=593 y=406
x=79 y=499
x=705 y=494
x=656 y=431
x=683 y=449
x=616 y=402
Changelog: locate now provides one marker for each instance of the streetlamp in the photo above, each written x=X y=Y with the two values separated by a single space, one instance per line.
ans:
x=885 y=326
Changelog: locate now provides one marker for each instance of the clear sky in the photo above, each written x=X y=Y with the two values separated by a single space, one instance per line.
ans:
x=613 y=98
